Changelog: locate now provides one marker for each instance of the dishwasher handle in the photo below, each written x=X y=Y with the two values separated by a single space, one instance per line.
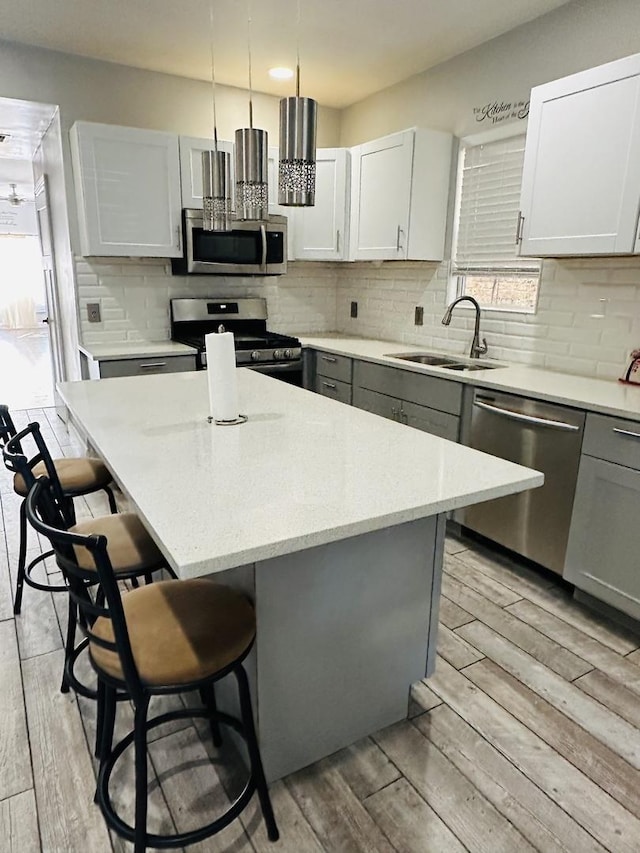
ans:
x=526 y=419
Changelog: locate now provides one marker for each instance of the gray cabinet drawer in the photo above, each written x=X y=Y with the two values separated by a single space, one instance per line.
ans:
x=333 y=388
x=441 y=394
x=429 y=420
x=613 y=439
x=378 y=404
x=333 y=366
x=146 y=366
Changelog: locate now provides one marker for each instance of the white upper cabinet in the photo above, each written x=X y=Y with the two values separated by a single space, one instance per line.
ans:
x=321 y=231
x=191 y=149
x=128 y=191
x=581 y=176
x=399 y=196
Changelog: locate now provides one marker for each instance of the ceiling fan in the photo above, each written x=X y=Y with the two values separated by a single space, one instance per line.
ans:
x=13 y=198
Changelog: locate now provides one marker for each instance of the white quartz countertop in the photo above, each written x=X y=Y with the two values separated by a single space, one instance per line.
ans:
x=606 y=396
x=141 y=349
x=303 y=471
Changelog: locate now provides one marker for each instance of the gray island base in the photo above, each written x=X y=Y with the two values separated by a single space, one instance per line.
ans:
x=343 y=631
x=329 y=517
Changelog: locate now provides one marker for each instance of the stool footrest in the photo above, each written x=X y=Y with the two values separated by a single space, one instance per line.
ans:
x=182 y=839
x=45 y=587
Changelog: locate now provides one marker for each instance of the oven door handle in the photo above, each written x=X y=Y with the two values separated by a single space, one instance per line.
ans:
x=280 y=367
x=263 y=237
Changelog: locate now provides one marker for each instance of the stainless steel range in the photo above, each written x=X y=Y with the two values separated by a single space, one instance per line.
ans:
x=256 y=347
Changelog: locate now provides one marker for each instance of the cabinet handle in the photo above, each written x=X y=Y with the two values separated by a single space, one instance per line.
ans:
x=152 y=365
x=179 y=237
x=338 y=241
x=398 y=243
x=519 y=228
x=626 y=432
x=526 y=419
x=404 y=417
x=395 y=412
x=328 y=358
x=329 y=385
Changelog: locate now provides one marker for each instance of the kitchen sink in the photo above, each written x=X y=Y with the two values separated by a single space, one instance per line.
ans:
x=433 y=359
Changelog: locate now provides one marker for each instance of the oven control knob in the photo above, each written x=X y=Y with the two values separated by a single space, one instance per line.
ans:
x=255 y=356
x=288 y=353
x=277 y=355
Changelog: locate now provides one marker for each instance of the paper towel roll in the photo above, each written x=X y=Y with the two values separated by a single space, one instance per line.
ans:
x=221 y=375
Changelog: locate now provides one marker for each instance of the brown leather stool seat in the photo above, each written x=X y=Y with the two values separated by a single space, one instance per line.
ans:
x=180 y=631
x=130 y=547
x=79 y=475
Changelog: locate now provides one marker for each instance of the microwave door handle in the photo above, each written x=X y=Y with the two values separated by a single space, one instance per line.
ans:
x=263 y=236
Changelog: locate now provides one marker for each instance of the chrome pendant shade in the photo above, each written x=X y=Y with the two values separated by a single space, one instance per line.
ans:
x=216 y=167
x=251 y=163
x=216 y=191
x=297 y=170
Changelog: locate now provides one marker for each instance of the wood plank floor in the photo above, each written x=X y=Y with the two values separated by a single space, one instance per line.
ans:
x=526 y=738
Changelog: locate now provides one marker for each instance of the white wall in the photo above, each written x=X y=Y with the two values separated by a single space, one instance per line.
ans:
x=579 y=35
x=117 y=94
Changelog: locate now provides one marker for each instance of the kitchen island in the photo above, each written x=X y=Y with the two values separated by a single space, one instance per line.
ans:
x=330 y=518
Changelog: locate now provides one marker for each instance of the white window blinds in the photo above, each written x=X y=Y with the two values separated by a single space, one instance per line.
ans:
x=489 y=200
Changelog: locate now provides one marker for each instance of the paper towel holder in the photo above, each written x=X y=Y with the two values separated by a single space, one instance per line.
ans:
x=241 y=419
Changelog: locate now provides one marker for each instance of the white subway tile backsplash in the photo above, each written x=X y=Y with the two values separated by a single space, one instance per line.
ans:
x=588 y=316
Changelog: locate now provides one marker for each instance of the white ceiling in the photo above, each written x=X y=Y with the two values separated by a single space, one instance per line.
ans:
x=349 y=48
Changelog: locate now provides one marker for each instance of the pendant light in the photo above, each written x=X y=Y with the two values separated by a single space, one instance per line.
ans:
x=298 y=121
x=251 y=152
x=216 y=167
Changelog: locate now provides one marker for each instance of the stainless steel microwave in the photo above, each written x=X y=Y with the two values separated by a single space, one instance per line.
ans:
x=250 y=248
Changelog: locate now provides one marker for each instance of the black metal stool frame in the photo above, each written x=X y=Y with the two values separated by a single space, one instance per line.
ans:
x=17 y=463
x=9 y=434
x=46 y=519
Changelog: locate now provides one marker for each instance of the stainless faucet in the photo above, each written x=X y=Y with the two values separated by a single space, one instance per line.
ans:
x=477 y=348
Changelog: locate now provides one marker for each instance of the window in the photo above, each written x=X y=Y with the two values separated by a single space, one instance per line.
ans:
x=485 y=259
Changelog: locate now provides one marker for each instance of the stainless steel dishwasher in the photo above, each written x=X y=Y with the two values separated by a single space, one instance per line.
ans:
x=539 y=435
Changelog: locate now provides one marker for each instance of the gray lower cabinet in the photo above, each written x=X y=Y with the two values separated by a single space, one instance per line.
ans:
x=329 y=374
x=108 y=369
x=410 y=392
x=603 y=555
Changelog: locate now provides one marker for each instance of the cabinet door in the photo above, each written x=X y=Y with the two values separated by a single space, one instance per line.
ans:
x=581 y=177
x=380 y=198
x=604 y=541
x=378 y=404
x=128 y=190
x=430 y=420
x=191 y=149
x=321 y=230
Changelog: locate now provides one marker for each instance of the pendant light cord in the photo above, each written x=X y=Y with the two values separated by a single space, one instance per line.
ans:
x=298 y=52
x=213 y=78
x=249 y=52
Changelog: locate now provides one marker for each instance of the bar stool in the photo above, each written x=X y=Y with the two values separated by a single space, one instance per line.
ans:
x=78 y=476
x=162 y=639
x=132 y=552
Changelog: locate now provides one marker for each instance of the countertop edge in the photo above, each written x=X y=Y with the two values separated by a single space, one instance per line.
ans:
x=143 y=349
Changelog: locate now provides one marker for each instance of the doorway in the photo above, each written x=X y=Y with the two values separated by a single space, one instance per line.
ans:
x=27 y=358
x=25 y=353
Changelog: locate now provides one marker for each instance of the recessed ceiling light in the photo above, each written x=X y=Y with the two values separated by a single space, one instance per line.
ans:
x=281 y=73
